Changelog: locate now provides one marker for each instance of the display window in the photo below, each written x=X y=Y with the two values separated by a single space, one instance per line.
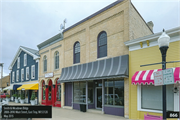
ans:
x=43 y=91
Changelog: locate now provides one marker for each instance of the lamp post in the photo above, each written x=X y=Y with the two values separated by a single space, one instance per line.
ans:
x=163 y=42
x=1 y=64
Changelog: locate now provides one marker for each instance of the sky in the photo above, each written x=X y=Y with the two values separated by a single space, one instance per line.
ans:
x=31 y=22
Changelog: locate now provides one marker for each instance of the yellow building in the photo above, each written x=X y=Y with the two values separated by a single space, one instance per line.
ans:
x=145 y=98
x=91 y=61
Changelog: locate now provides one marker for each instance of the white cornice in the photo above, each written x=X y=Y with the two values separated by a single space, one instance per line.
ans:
x=152 y=37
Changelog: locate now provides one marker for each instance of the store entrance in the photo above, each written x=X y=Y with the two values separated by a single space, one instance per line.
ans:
x=98 y=97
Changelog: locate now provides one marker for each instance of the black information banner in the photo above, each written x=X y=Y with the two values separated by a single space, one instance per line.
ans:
x=26 y=111
x=172 y=114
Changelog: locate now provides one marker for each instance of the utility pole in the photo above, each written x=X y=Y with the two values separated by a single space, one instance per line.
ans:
x=1 y=64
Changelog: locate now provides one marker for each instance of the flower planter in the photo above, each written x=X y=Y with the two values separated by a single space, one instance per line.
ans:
x=22 y=101
x=26 y=100
x=8 y=99
x=33 y=102
x=16 y=100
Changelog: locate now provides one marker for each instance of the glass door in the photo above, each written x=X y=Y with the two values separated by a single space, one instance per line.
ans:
x=98 y=97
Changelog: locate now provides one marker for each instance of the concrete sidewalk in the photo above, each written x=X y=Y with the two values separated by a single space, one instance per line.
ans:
x=71 y=114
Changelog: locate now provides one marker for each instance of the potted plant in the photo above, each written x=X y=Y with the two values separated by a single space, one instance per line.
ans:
x=8 y=98
x=22 y=99
x=33 y=96
x=19 y=97
x=16 y=97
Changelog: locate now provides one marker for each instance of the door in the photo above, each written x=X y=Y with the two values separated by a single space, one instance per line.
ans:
x=68 y=94
x=98 y=97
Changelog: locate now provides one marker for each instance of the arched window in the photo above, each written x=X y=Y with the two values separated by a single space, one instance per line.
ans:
x=76 y=52
x=56 y=60
x=45 y=63
x=102 y=45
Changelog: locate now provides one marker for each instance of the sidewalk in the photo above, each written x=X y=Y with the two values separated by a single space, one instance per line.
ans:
x=71 y=114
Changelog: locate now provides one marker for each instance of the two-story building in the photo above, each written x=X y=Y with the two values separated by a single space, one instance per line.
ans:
x=93 y=62
x=24 y=72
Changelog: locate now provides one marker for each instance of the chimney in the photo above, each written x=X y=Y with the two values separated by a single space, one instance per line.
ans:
x=150 y=24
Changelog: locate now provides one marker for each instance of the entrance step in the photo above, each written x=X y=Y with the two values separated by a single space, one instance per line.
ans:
x=67 y=107
x=95 y=111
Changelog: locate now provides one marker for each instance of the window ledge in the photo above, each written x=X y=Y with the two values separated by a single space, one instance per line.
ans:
x=56 y=69
x=76 y=64
x=114 y=106
x=102 y=58
x=148 y=110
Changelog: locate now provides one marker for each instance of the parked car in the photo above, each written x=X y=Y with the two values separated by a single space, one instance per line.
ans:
x=3 y=95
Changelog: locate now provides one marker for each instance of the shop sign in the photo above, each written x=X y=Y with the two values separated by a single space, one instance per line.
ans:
x=168 y=76
x=48 y=75
x=158 y=78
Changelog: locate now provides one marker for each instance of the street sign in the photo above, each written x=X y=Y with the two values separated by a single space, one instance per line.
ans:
x=168 y=76
x=158 y=78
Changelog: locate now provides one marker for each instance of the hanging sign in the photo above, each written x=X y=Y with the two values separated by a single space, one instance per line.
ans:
x=168 y=76
x=158 y=78
x=48 y=75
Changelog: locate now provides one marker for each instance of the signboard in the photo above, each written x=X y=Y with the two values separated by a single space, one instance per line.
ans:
x=48 y=75
x=172 y=114
x=158 y=78
x=168 y=76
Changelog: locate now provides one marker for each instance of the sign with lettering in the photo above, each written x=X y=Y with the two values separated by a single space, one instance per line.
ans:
x=168 y=76
x=158 y=78
x=48 y=75
x=172 y=114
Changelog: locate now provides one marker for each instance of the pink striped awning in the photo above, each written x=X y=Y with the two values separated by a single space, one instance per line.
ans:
x=147 y=76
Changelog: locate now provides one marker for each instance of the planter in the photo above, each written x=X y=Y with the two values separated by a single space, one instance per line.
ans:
x=33 y=102
x=16 y=100
x=22 y=101
x=12 y=98
x=8 y=99
x=26 y=100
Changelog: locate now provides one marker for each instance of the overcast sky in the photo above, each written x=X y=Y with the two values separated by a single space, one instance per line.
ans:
x=30 y=22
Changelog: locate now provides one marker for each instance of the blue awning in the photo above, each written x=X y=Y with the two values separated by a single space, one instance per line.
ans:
x=16 y=86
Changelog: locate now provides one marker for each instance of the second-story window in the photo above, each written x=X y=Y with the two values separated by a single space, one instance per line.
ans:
x=56 y=60
x=25 y=59
x=27 y=73
x=18 y=62
x=13 y=76
x=76 y=52
x=33 y=72
x=102 y=45
x=45 y=63
x=17 y=75
x=22 y=74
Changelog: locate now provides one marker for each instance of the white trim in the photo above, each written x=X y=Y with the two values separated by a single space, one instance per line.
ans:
x=25 y=59
x=176 y=100
x=17 y=76
x=18 y=62
x=22 y=71
x=139 y=102
x=32 y=66
x=27 y=78
x=13 y=76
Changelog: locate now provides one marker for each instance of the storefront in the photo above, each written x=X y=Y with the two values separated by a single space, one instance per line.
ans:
x=51 y=94
x=98 y=85
x=145 y=97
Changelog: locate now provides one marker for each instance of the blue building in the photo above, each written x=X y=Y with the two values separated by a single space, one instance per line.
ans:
x=24 y=72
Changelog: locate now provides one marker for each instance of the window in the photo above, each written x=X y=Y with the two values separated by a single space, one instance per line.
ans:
x=33 y=72
x=12 y=76
x=79 y=92
x=76 y=52
x=114 y=92
x=25 y=59
x=151 y=97
x=18 y=62
x=43 y=90
x=17 y=75
x=45 y=63
x=90 y=92
x=56 y=60
x=58 y=94
x=102 y=45
x=27 y=73
x=22 y=74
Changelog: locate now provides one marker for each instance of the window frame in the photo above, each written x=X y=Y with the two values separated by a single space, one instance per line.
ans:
x=44 y=60
x=74 y=54
x=17 y=76
x=27 y=72
x=18 y=62
x=13 y=75
x=22 y=74
x=32 y=71
x=25 y=59
x=56 y=62
x=98 y=47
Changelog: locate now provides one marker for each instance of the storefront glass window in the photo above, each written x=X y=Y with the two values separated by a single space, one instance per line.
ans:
x=58 y=94
x=26 y=94
x=114 y=92
x=44 y=91
x=90 y=92
x=151 y=97
x=49 y=94
x=79 y=92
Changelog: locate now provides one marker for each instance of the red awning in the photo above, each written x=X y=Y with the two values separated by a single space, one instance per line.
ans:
x=147 y=76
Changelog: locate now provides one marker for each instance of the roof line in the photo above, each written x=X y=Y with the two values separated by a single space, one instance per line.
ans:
x=93 y=15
